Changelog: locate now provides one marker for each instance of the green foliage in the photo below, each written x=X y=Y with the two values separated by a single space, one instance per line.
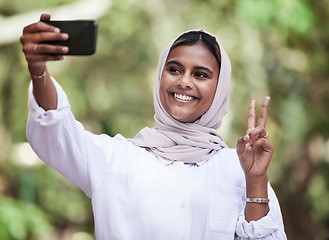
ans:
x=13 y=110
x=294 y=15
x=22 y=221
x=317 y=197
x=70 y=206
x=10 y=8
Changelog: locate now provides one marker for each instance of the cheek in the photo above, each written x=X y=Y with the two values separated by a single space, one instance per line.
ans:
x=213 y=87
x=165 y=83
x=209 y=90
x=163 y=89
x=209 y=94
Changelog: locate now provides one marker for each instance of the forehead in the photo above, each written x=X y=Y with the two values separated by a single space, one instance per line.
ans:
x=197 y=55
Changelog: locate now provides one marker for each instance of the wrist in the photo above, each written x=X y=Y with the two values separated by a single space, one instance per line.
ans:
x=37 y=70
x=256 y=187
x=42 y=75
x=252 y=179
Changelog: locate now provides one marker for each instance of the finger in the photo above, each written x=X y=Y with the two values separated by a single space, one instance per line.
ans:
x=50 y=37
x=40 y=27
x=44 y=58
x=251 y=117
x=263 y=112
x=241 y=144
x=43 y=37
x=43 y=52
x=264 y=143
x=45 y=17
x=257 y=133
x=49 y=49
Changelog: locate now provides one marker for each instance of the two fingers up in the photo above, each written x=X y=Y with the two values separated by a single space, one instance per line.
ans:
x=255 y=149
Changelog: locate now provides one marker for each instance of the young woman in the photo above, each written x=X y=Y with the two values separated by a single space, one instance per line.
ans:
x=177 y=180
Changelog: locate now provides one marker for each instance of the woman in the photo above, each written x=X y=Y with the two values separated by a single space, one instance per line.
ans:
x=178 y=180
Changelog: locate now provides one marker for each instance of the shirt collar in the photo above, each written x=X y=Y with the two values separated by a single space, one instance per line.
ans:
x=167 y=162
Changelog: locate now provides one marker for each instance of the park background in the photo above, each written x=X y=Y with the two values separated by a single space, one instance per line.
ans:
x=277 y=48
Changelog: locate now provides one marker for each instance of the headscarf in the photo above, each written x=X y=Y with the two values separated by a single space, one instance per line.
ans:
x=187 y=142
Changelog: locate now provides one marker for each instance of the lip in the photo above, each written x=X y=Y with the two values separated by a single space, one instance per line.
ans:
x=183 y=97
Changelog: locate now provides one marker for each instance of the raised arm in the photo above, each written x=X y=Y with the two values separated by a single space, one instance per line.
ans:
x=38 y=53
x=255 y=152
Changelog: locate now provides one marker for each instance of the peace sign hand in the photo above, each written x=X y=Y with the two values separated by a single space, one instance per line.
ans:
x=255 y=149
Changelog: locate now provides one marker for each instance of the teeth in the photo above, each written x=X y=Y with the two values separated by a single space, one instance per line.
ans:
x=183 y=97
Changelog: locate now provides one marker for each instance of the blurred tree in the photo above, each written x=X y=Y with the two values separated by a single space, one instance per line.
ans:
x=22 y=221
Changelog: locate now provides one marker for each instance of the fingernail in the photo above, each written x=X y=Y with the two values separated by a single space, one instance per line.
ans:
x=65 y=49
x=57 y=30
x=245 y=138
x=65 y=36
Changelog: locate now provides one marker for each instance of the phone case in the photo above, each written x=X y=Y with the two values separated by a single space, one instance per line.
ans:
x=82 y=36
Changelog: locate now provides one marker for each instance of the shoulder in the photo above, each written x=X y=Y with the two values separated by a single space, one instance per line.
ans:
x=227 y=151
x=226 y=166
x=119 y=149
x=117 y=144
x=228 y=155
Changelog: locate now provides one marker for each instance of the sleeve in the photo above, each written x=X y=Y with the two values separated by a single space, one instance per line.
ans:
x=61 y=141
x=270 y=227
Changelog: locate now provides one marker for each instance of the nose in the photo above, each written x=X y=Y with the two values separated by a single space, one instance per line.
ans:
x=185 y=81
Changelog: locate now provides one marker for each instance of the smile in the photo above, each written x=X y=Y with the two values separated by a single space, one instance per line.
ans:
x=183 y=97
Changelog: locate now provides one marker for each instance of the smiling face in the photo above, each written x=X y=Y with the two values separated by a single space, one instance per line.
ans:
x=188 y=83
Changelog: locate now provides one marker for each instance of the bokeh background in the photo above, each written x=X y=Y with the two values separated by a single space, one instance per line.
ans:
x=277 y=47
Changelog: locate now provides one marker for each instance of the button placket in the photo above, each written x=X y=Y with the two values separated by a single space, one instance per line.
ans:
x=182 y=204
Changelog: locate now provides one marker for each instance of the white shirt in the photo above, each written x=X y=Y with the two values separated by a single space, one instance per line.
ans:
x=136 y=195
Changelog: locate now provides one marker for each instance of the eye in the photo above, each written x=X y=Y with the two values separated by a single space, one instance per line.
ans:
x=201 y=75
x=174 y=70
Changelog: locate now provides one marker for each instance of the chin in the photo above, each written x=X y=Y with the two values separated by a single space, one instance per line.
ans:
x=184 y=119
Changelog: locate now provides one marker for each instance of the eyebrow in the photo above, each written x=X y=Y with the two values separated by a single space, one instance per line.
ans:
x=181 y=65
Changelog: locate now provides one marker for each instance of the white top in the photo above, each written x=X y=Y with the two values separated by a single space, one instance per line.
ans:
x=136 y=195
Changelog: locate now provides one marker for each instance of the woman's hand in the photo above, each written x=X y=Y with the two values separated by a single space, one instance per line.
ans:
x=38 y=53
x=255 y=149
x=255 y=152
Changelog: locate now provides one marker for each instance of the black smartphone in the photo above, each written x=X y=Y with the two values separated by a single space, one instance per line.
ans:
x=82 y=36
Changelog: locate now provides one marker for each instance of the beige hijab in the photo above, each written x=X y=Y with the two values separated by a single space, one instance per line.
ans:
x=187 y=142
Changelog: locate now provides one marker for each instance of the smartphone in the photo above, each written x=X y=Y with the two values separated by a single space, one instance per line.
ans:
x=82 y=36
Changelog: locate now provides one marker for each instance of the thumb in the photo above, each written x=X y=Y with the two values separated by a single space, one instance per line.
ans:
x=45 y=17
x=241 y=144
